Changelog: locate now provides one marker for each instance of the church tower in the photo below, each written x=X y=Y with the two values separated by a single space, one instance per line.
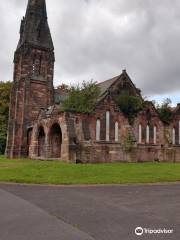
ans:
x=33 y=78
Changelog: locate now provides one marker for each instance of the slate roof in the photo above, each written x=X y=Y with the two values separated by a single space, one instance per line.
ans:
x=106 y=85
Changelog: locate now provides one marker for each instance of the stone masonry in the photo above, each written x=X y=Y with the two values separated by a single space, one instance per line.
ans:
x=39 y=130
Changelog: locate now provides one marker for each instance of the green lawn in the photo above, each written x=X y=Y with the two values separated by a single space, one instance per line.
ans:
x=45 y=172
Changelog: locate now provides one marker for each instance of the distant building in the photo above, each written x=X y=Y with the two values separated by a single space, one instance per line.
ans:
x=37 y=129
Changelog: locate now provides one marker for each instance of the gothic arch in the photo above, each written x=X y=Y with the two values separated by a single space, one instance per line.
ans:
x=41 y=141
x=55 y=140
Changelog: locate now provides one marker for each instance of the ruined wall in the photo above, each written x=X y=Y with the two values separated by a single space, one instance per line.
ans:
x=50 y=147
x=76 y=147
x=106 y=153
x=103 y=151
x=79 y=143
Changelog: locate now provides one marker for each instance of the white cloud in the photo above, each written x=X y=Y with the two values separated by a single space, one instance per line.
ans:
x=98 y=38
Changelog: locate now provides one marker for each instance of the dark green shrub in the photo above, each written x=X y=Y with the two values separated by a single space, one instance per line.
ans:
x=5 y=88
x=82 y=99
x=129 y=105
x=164 y=111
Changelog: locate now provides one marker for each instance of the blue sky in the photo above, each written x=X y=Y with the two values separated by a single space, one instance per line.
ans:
x=175 y=98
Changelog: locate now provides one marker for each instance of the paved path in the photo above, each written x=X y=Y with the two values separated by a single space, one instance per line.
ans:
x=88 y=213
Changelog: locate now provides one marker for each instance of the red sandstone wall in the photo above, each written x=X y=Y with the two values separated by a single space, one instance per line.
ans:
x=30 y=93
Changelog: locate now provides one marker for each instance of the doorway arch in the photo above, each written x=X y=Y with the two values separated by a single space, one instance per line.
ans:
x=55 y=141
x=41 y=142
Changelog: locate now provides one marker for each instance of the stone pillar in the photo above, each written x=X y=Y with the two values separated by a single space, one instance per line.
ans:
x=47 y=153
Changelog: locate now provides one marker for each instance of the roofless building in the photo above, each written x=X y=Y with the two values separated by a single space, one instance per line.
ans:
x=39 y=129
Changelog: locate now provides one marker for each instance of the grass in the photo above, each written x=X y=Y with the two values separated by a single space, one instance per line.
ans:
x=45 y=172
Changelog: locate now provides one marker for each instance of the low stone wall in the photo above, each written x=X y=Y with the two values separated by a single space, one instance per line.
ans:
x=104 y=153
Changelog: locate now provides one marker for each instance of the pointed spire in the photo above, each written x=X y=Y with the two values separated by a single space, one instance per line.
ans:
x=36 y=7
x=34 y=27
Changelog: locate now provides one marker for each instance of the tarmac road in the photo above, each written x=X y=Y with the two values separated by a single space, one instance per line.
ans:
x=88 y=212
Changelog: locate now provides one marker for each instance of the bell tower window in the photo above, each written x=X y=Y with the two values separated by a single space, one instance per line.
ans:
x=36 y=67
x=33 y=69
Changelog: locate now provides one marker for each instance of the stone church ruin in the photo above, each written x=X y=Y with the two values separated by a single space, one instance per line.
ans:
x=38 y=129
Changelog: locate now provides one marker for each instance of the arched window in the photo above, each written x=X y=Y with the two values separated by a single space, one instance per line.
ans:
x=140 y=134
x=147 y=134
x=107 y=125
x=155 y=134
x=116 y=131
x=98 y=128
x=173 y=136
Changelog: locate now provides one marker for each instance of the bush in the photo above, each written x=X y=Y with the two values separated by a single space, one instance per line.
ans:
x=82 y=99
x=164 y=111
x=129 y=105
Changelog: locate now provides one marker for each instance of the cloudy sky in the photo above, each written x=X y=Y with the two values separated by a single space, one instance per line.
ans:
x=96 y=39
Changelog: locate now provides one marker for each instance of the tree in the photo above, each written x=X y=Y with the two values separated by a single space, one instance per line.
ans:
x=164 y=111
x=129 y=105
x=5 y=88
x=82 y=99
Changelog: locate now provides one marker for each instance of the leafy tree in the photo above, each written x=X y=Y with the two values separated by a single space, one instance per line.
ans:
x=82 y=99
x=5 y=88
x=3 y=129
x=129 y=105
x=164 y=111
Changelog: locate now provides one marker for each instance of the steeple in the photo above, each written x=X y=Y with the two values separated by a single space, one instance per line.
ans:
x=33 y=78
x=34 y=26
